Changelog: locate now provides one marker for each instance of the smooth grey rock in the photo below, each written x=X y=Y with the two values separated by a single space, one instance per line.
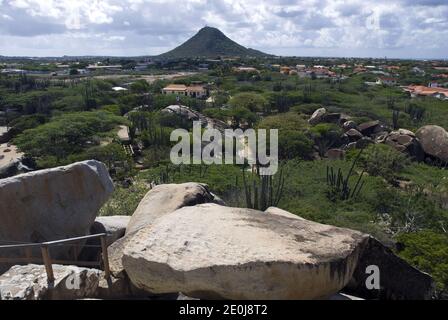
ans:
x=113 y=226
x=157 y=202
x=52 y=204
x=317 y=116
x=210 y=251
x=434 y=141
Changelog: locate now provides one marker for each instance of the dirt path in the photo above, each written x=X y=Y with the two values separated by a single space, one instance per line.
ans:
x=9 y=155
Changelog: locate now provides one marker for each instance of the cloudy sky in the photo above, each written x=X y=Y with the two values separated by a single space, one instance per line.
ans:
x=367 y=28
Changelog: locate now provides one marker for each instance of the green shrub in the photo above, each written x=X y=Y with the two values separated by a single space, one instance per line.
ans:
x=428 y=251
x=383 y=160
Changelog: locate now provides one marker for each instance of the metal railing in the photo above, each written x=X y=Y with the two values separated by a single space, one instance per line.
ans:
x=48 y=261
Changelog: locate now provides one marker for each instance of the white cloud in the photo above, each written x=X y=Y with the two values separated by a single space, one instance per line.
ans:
x=308 y=27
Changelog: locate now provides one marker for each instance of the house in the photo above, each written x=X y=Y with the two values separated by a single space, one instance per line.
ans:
x=415 y=91
x=386 y=81
x=359 y=70
x=194 y=91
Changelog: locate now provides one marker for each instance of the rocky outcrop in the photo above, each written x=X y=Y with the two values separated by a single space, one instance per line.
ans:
x=157 y=202
x=30 y=282
x=405 y=141
x=166 y=198
x=53 y=204
x=354 y=135
x=211 y=251
x=434 y=141
x=368 y=128
x=347 y=125
x=398 y=280
x=317 y=116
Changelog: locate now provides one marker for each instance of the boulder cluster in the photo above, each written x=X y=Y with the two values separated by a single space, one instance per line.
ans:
x=429 y=143
x=183 y=241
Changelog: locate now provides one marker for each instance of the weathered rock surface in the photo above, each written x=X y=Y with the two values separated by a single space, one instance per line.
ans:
x=30 y=282
x=398 y=280
x=166 y=198
x=281 y=212
x=354 y=134
x=53 y=204
x=182 y=111
x=113 y=226
x=317 y=116
x=331 y=118
x=368 y=128
x=434 y=141
x=157 y=202
x=223 y=252
x=405 y=141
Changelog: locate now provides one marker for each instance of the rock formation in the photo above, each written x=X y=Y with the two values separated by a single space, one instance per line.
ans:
x=53 y=204
x=234 y=253
x=434 y=140
x=157 y=202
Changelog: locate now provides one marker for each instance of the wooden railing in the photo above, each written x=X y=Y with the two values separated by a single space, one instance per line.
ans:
x=46 y=257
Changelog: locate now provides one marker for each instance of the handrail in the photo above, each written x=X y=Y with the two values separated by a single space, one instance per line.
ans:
x=45 y=246
x=52 y=243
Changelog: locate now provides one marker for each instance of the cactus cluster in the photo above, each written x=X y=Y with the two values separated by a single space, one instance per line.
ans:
x=263 y=191
x=339 y=186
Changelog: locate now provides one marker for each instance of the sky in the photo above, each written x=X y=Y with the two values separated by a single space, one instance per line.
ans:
x=345 y=28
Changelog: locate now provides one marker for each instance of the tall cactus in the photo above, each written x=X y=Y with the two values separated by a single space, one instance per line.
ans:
x=339 y=186
x=265 y=191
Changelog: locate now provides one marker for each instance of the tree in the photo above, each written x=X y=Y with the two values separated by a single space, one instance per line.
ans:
x=65 y=135
x=325 y=136
x=248 y=100
x=140 y=86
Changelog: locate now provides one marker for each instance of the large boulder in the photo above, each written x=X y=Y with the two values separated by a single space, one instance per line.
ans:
x=30 y=282
x=434 y=141
x=52 y=204
x=157 y=202
x=211 y=251
x=405 y=141
x=368 y=128
x=354 y=135
x=166 y=198
x=317 y=116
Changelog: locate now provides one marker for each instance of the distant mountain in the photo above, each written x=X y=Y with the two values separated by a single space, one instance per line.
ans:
x=211 y=42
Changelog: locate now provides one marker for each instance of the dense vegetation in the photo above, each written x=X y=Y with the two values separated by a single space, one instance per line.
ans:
x=401 y=202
